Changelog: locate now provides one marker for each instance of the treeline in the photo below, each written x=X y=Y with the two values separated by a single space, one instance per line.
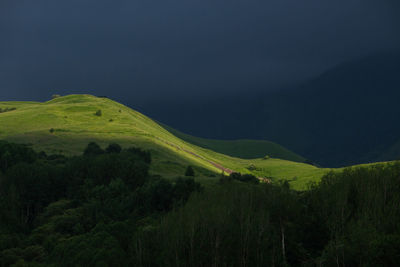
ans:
x=103 y=208
x=80 y=211
x=349 y=219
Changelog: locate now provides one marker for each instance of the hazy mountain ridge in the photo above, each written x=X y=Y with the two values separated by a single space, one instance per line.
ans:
x=345 y=116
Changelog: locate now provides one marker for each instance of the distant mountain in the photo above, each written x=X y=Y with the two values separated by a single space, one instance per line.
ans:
x=348 y=115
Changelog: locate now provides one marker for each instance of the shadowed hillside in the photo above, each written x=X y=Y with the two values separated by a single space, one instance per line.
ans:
x=346 y=116
x=247 y=149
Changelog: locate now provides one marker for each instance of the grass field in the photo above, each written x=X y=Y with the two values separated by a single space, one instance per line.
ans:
x=74 y=124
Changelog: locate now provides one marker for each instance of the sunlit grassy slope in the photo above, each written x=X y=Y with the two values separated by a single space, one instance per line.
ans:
x=246 y=149
x=75 y=124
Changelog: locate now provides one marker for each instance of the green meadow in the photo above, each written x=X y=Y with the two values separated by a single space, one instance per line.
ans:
x=65 y=125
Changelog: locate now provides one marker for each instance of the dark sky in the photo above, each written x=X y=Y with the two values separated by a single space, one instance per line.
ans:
x=139 y=50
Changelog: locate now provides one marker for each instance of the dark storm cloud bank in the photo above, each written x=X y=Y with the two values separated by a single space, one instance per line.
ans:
x=139 y=50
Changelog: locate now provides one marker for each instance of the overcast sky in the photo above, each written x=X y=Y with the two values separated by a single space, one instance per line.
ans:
x=139 y=50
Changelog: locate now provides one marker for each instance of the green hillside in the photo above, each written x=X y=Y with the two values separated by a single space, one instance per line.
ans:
x=246 y=149
x=66 y=124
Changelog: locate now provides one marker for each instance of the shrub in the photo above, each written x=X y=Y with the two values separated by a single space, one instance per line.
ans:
x=93 y=149
x=51 y=130
x=246 y=178
x=55 y=96
x=266 y=157
x=252 y=167
x=98 y=113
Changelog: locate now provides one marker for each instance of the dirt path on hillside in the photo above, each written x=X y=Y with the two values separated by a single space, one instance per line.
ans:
x=218 y=166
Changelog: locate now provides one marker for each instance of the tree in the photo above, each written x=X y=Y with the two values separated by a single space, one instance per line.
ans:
x=189 y=171
x=98 y=113
x=113 y=148
x=246 y=178
x=184 y=187
x=93 y=149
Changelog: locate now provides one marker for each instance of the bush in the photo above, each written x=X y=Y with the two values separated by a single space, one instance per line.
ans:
x=51 y=130
x=98 y=113
x=189 y=171
x=55 y=96
x=252 y=167
x=266 y=157
x=93 y=149
x=246 y=178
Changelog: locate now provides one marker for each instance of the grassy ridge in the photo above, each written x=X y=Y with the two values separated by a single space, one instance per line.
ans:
x=75 y=124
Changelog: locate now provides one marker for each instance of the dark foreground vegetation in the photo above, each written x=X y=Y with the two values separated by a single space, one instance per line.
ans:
x=104 y=209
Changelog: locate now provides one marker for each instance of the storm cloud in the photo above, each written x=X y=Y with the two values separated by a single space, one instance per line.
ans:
x=146 y=49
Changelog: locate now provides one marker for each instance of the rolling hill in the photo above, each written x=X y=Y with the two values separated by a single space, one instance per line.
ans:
x=347 y=115
x=246 y=149
x=66 y=124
